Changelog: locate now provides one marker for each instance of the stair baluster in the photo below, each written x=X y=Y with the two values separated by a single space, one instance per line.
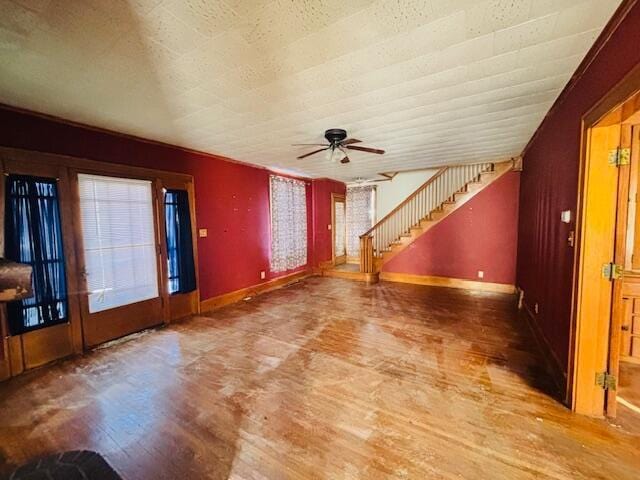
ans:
x=431 y=197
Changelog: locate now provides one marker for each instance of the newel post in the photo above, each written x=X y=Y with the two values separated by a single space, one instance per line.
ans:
x=366 y=254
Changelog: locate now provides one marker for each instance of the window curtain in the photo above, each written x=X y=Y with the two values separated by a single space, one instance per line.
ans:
x=33 y=235
x=288 y=223
x=182 y=271
x=360 y=215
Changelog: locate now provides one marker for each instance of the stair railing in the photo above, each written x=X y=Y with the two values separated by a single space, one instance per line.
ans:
x=418 y=206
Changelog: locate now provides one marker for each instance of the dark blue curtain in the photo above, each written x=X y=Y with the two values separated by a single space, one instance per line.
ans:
x=182 y=272
x=33 y=235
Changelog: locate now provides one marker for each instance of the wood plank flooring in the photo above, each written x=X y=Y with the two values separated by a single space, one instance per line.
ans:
x=325 y=379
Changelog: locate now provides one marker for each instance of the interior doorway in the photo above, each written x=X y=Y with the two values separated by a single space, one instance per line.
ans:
x=603 y=378
x=339 y=230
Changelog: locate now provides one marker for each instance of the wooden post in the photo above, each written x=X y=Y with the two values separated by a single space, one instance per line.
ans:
x=366 y=254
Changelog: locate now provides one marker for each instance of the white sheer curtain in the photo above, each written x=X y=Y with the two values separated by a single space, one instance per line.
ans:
x=288 y=223
x=360 y=215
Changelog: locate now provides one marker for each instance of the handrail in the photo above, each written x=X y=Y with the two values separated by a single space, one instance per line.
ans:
x=406 y=200
x=418 y=206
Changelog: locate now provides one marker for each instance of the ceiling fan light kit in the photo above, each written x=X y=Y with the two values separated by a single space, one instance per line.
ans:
x=338 y=142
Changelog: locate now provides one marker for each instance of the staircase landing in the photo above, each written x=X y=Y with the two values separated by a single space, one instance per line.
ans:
x=349 y=271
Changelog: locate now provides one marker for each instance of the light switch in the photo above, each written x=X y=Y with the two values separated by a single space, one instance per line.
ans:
x=329 y=227
x=203 y=232
x=565 y=216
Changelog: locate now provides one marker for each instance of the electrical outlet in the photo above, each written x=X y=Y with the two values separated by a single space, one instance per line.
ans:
x=262 y=275
x=480 y=274
x=535 y=308
x=203 y=232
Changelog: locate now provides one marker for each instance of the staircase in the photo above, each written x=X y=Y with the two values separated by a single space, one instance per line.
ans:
x=449 y=189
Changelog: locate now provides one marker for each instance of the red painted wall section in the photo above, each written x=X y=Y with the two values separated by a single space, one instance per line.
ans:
x=480 y=235
x=322 y=190
x=232 y=198
x=549 y=185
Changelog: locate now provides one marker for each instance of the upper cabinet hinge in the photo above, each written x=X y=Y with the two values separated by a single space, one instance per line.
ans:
x=611 y=271
x=606 y=380
x=619 y=156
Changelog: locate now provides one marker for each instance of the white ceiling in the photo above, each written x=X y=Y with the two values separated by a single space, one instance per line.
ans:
x=431 y=81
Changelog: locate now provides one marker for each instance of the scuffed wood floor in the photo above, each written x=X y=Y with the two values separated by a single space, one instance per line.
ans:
x=326 y=379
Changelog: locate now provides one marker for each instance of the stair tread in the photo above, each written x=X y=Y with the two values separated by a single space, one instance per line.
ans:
x=480 y=180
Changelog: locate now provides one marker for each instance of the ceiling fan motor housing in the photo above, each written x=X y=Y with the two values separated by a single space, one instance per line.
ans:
x=335 y=135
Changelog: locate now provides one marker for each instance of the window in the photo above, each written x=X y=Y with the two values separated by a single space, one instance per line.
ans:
x=182 y=273
x=33 y=235
x=119 y=241
x=288 y=223
x=360 y=215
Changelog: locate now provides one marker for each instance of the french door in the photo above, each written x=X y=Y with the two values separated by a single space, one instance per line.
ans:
x=119 y=257
x=339 y=224
x=36 y=222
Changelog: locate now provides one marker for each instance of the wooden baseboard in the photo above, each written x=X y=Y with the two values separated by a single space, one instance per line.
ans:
x=551 y=361
x=446 y=282
x=369 y=278
x=237 y=295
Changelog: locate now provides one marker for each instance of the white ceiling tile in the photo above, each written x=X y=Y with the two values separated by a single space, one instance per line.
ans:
x=431 y=82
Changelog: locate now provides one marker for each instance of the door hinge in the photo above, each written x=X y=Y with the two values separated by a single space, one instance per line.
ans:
x=611 y=271
x=606 y=381
x=620 y=156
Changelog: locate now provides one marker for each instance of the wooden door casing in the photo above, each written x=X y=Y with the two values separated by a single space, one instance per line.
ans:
x=181 y=304
x=338 y=258
x=38 y=347
x=106 y=325
x=21 y=352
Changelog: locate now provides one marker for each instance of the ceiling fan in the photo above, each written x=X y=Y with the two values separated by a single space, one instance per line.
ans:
x=338 y=142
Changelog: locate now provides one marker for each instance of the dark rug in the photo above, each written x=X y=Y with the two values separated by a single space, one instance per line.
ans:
x=76 y=465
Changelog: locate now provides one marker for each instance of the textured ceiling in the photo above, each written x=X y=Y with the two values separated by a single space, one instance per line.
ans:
x=431 y=81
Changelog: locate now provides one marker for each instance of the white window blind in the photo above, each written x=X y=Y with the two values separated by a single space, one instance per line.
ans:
x=119 y=241
x=288 y=223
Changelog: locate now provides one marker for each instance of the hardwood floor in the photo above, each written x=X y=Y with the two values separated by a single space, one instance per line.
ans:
x=325 y=379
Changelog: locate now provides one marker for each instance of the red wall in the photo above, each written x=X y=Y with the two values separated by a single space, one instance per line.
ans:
x=550 y=184
x=480 y=235
x=322 y=190
x=232 y=198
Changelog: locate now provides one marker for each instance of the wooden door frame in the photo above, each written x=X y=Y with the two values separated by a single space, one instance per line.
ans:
x=335 y=198
x=591 y=335
x=37 y=347
x=64 y=165
x=182 y=304
x=115 y=315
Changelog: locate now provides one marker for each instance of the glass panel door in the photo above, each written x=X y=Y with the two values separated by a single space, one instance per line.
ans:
x=33 y=235
x=120 y=254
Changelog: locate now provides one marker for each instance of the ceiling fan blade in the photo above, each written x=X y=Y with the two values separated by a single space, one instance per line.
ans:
x=312 y=153
x=349 y=141
x=366 y=149
x=309 y=144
